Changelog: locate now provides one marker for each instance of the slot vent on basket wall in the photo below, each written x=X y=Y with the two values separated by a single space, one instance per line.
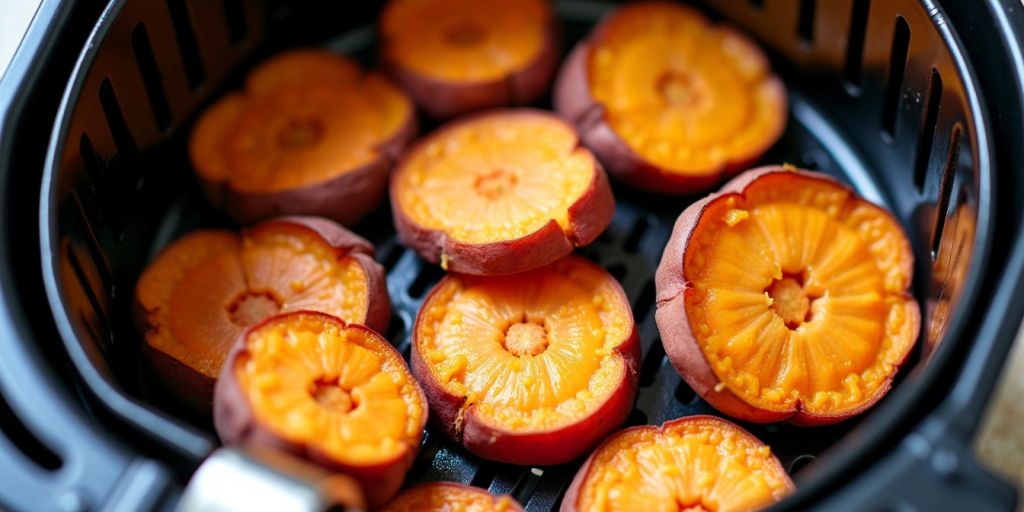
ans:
x=926 y=134
x=143 y=51
x=22 y=439
x=186 y=37
x=894 y=80
x=234 y=15
x=123 y=140
x=946 y=187
x=805 y=25
x=855 y=42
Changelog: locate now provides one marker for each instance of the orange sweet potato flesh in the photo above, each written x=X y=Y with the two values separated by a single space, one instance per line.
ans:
x=471 y=55
x=695 y=463
x=784 y=297
x=499 y=193
x=668 y=101
x=335 y=393
x=311 y=134
x=534 y=368
x=207 y=287
x=450 y=497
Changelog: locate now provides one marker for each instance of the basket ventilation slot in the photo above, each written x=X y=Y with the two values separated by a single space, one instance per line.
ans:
x=636 y=235
x=23 y=440
x=946 y=187
x=186 y=37
x=805 y=25
x=651 y=364
x=926 y=135
x=143 y=51
x=897 y=66
x=685 y=394
x=115 y=119
x=428 y=275
x=855 y=42
x=234 y=16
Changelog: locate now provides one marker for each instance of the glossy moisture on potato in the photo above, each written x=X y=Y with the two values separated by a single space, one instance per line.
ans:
x=450 y=497
x=334 y=393
x=668 y=101
x=532 y=368
x=785 y=297
x=208 y=286
x=309 y=134
x=498 y=193
x=690 y=463
x=459 y=56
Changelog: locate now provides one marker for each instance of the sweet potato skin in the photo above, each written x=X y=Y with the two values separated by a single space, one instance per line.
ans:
x=345 y=198
x=588 y=218
x=462 y=425
x=440 y=99
x=573 y=101
x=194 y=389
x=512 y=505
x=236 y=423
x=570 y=503
x=345 y=242
x=680 y=343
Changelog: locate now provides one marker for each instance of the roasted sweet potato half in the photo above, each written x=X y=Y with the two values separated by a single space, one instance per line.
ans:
x=668 y=101
x=450 y=497
x=534 y=368
x=499 y=193
x=335 y=393
x=311 y=134
x=784 y=297
x=458 y=56
x=692 y=463
x=207 y=287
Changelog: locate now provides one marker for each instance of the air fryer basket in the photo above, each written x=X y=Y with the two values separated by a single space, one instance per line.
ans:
x=883 y=96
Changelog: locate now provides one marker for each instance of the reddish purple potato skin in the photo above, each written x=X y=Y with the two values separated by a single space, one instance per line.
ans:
x=441 y=100
x=194 y=389
x=588 y=218
x=573 y=101
x=236 y=424
x=681 y=346
x=535 y=448
x=345 y=198
x=570 y=503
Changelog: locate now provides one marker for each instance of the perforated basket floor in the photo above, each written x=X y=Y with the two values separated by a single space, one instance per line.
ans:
x=125 y=196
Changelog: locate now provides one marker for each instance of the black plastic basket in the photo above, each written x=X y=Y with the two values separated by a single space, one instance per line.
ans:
x=918 y=106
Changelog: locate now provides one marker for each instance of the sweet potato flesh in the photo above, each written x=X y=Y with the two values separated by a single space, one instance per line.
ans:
x=700 y=464
x=465 y=40
x=687 y=96
x=305 y=117
x=450 y=498
x=207 y=288
x=530 y=352
x=798 y=294
x=495 y=178
x=315 y=381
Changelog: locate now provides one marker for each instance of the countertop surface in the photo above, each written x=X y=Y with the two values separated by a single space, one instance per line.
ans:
x=1000 y=443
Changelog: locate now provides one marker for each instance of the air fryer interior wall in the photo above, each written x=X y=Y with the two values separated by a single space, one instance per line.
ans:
x=880 y=96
